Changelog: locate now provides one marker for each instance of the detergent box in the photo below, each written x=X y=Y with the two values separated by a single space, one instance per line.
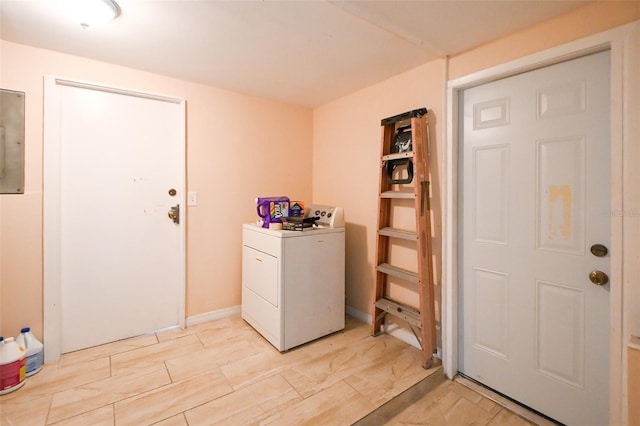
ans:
x=296 y=209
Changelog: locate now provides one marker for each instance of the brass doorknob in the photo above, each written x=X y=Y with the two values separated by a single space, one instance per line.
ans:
x=598 y=277
x=174 y=213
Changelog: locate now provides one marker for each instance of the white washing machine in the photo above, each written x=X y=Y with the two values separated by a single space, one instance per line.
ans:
x=293 y=281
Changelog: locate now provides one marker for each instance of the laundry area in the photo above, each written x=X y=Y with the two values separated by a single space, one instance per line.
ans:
x=293 y=272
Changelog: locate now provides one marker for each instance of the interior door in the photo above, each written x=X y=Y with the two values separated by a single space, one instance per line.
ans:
x=121 y=170
x=534 y=200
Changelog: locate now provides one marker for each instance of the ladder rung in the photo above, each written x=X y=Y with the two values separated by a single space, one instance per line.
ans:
x=397 y=194
x=394 y=271
x=397 y=156
x=404 y=312
x=398 y=233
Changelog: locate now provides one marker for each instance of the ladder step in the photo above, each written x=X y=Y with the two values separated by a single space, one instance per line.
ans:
x=397 y=156
x=397 y=194
x=404 y=312
x=398 y=233
x=394 y=271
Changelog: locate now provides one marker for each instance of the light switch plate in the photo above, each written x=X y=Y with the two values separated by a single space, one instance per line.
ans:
x=192 y=199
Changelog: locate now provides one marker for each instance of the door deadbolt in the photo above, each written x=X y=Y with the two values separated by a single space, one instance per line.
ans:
x=599 y=250
x=174 y=213
x=598 y=277
x=172 y=192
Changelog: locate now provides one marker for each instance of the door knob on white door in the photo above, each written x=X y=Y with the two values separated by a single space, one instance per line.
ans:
x=598 y=277
x=174 y=213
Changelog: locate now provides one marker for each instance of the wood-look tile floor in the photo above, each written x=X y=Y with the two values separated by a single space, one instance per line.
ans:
x=223 y=372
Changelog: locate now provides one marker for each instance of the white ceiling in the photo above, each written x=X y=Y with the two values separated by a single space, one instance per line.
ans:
x=300 y=52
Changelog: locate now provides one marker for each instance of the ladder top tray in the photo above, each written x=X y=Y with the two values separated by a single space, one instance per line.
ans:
x=417 y=113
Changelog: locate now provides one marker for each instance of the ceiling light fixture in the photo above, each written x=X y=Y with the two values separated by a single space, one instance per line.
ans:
x=90 y=13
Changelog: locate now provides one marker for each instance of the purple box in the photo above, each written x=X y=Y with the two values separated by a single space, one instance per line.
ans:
x=272 y=209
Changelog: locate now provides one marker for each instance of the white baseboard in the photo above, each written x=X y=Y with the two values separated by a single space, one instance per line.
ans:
x=362 y=316
x=401 y=334
x=391 y=329
x=213 y=315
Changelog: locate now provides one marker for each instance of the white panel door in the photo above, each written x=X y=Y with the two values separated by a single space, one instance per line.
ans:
x=535 y=199
x=121 y=256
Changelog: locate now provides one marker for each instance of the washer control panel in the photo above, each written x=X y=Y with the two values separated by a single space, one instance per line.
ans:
x=330 y=216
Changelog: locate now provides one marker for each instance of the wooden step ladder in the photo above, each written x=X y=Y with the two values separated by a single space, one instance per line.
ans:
x=404 y=175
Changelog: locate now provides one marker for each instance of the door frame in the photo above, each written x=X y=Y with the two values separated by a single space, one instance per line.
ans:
x=623 y=44
x=52 y=286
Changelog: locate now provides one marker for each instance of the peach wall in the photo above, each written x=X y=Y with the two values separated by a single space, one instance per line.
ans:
x=238 y=147
x=347 y=131
x=590 y=19
x=223 y=125
x=346 y=155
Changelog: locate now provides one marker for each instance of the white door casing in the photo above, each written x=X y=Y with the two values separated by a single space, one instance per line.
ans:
x=625 y=57
x=534 y=198
x=114 y=261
